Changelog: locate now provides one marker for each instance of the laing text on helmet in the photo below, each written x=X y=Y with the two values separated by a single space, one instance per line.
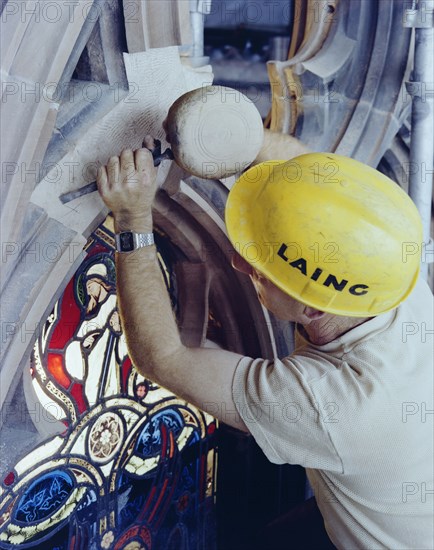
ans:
x=330 y=280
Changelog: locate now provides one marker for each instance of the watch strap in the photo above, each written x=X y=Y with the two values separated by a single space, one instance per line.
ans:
x=135 y=241
x=143 y=239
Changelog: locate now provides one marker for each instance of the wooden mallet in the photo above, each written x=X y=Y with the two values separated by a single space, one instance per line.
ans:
x=214 y=132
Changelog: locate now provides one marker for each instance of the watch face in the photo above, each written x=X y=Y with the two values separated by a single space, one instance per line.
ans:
x=126 y=241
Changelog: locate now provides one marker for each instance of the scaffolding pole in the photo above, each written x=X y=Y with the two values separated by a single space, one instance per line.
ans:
x=421 y=18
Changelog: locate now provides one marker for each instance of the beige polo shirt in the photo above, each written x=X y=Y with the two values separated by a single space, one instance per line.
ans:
x=358 y=414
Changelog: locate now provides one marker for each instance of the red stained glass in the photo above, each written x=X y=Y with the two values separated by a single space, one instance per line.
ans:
x=126 y=369
x=77 y=393
x=69 y=310
x=9 y=479
x=56 y=368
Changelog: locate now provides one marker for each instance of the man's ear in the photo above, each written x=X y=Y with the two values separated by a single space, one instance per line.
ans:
x=313 y=314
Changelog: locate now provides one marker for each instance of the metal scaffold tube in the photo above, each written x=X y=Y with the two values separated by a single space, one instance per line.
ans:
x=198 y=10
x=421 y=18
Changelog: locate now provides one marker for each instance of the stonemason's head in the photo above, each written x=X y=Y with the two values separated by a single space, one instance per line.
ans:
x=329 y=232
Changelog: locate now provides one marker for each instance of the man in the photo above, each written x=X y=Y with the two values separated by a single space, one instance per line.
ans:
x=334 y=240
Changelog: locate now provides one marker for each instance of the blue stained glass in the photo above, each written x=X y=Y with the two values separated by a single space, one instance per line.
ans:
x=186 y=479
x=150 y=440
x=87 y=509
x=46 y=495
x=132 y=502
x=178 y=539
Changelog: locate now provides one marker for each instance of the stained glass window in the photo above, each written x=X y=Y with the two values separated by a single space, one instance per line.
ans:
x=134 y=466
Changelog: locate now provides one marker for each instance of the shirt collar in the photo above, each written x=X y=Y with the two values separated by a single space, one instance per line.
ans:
x=352 y=337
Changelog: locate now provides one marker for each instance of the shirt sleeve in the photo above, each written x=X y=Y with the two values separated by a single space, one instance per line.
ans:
x=276 y=404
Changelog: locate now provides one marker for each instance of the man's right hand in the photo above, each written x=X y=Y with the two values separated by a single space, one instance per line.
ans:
x=127 y=186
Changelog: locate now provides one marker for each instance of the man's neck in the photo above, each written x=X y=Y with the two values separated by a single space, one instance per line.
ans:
x=328 y=328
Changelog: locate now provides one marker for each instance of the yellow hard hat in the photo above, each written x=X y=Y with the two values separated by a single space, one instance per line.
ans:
x=329 y=231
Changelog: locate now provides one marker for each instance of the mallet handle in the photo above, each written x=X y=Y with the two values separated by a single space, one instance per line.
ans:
x=91 y=187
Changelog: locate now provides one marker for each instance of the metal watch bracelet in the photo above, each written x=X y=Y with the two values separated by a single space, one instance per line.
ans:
x=128 y=241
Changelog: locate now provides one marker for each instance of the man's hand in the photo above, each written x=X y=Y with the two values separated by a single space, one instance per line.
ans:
x=127 y=186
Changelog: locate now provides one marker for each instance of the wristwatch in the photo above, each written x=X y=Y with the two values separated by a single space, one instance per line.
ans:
x=128 y=241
